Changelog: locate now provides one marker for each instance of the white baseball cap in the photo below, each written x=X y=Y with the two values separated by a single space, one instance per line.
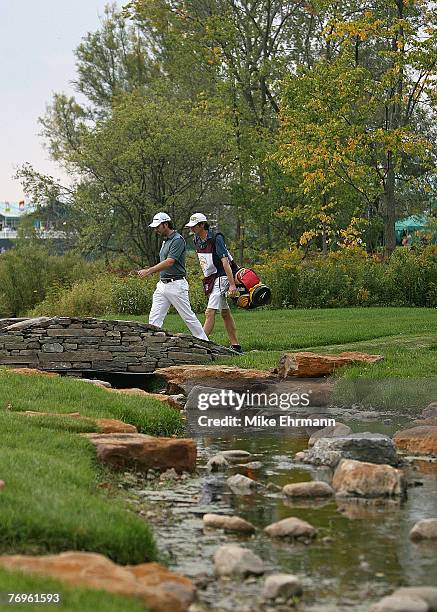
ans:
x=195 y=219
x=159 y=218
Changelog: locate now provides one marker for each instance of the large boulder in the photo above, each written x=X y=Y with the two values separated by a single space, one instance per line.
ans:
x=421 y=440
x=305 y=364
x=315 y=488
x=361 y=479
x=339 y=430
x=158 y=588
x=141 y=452
x=228 y=523
x=371 y=447
x=291 y=527
x=181 y=379
x=426 y=529
x=234 y=560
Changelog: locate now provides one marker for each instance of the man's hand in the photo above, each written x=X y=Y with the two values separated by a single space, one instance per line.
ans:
x=232 y=292
x=144 y=272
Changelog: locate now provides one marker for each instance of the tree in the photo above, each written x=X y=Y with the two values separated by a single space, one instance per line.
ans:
x=146 y=156
x=356 y=122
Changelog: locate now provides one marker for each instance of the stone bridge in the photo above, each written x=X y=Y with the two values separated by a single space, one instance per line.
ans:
x=85 y=344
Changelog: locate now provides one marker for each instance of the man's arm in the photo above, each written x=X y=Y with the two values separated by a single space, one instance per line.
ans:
x=230 y=275
x=163 y=265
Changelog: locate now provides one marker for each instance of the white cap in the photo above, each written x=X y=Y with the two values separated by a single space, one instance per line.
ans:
x=195 y=219
x=159 y=218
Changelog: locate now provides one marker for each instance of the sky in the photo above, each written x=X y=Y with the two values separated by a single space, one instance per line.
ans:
x=37 y=42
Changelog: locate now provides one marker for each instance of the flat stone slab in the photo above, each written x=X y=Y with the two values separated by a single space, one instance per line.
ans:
x=306 y=364
x=366 y=446
x=141 y=452
x=157 y=587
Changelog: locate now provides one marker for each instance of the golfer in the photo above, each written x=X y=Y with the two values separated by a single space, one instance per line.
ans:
x=216 y=263
x=172 y=288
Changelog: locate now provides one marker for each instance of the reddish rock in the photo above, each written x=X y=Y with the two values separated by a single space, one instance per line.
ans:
x=104 y=425
x=361 y=479
x=178 y=376
x=420 y=440
x=305 y=364
x=158 y=588
x=138 y=451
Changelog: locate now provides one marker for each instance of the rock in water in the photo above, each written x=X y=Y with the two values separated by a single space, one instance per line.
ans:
x=394 y=603
x=421 y=440
x=426 y=529
x=361 y=479
x=282 y=585
x=291 y=527
x=339 y=430
x=316 y=488
x=241 y=485
x=228 y=523
x=217 y=463
x=233 y=560
x=141 y=452
x=371 y=447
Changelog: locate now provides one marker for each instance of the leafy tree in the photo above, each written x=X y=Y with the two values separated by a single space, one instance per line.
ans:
x=356 y=123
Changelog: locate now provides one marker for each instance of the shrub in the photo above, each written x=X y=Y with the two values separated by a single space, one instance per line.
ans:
x=28 y=272
x=352 y=278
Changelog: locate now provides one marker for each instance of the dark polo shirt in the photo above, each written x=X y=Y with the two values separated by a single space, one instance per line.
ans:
x=174 y=247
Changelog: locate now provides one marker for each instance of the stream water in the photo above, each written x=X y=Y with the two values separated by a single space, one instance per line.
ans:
x=362 y=551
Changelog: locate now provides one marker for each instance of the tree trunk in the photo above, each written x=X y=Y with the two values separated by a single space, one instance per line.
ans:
x=389 y=208
x=240 y=240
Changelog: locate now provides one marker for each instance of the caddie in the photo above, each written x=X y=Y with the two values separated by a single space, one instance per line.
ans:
x=218 y=269
x=172 y=287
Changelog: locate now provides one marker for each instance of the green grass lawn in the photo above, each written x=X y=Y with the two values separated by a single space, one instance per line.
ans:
x=52 y=500
x=407 y=337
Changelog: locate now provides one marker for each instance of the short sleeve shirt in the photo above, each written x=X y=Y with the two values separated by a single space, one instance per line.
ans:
x=175 y=248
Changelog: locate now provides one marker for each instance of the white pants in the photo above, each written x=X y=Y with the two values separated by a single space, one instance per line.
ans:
x=175 y=294
x=217 y=297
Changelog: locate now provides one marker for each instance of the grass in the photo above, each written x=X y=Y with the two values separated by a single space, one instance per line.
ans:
x=52 y=501
x=63 y=394
x=407 y=337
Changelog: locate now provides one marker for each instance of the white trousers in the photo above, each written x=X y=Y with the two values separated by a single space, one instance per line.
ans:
x=175 y=294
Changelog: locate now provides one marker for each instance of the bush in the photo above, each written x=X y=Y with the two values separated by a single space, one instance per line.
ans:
x=109 y=293
x=352 y=278
x=29 y=272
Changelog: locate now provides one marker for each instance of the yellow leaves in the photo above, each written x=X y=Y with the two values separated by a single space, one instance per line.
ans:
x=306 y=237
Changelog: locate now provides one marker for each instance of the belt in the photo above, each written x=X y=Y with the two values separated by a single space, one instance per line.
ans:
x=170 y=280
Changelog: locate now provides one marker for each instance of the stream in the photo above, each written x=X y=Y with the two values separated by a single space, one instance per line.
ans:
x=362 y=551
